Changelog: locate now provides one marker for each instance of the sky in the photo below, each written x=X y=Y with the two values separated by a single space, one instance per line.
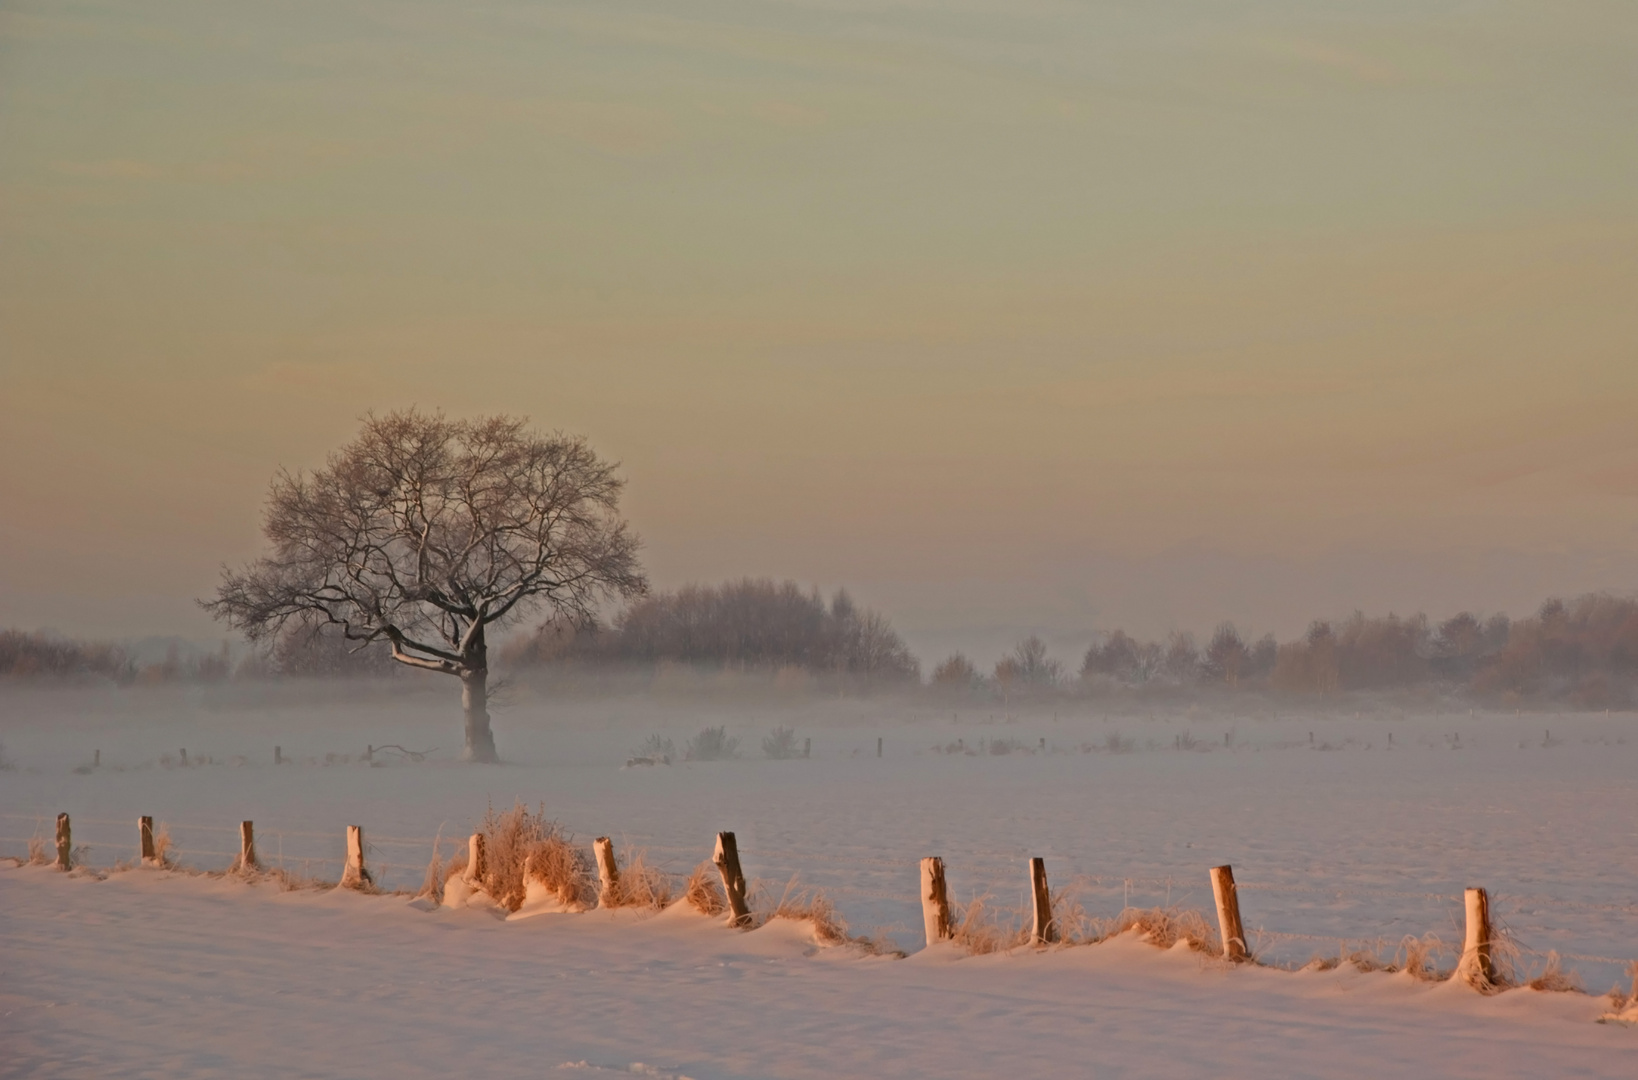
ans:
x=1009 y=315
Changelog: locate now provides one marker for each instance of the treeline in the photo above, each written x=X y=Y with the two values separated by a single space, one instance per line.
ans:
x=1583 y=652
x=751 y=624
x=29 y=655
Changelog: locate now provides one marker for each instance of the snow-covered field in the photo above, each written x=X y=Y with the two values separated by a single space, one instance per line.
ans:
x=1340 y=841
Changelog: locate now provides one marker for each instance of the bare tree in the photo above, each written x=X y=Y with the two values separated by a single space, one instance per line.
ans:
x=1029 y=664
x=1227 y=655
x=426 y=532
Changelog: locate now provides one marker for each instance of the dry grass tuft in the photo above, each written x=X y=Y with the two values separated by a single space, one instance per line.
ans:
x=293 y=881
x=1419 y=957
x=802 y=904
x=38 y=852
x=162 y=847
x=1164 y=928
x=981 y=929
x=565 y=869
x=1554 y=980
x=518 y=840
x=432 y=886
x=641 y=885
x=1620 y=999
x=703 y=893
x=1071 y=920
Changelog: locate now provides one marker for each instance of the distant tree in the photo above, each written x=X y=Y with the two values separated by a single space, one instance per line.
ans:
x=1309 y=665
x=1373 y=653
x=956 y=673
x=1028 y=665
x=1227 y=655
x=1264 y=654
x=1182 y=660
x=424 y=533
x=1122 y=657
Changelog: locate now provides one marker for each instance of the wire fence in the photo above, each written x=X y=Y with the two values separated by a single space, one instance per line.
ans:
x=879 y=892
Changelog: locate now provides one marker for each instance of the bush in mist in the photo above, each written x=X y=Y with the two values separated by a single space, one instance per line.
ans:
x=656 y=748
x=712 y=744
x=751 y=623
x=780 y=744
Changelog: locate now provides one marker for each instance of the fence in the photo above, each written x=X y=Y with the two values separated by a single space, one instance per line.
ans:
x=1487 y=923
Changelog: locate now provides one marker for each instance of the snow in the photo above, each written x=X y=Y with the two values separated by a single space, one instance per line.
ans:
x=151 y=973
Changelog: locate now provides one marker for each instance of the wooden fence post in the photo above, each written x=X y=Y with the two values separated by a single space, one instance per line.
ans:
x=1228 y=913
x=184 y=755
x=733 y=879
x=608 y=873
x=1477 y=966
x=477 y=861
x=247 y=848
x=96 y=759
x=145 y=840
x=807 y=748
x=935 y=900
x=1044 y=931
x=355 y=876
x=278 y=755
x=878 y=746
x=65 y=842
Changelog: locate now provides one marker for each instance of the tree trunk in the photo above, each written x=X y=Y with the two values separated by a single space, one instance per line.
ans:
x=480 y=741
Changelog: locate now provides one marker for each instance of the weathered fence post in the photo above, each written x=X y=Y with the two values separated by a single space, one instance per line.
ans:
x=96 y=759
x=65 y=842
x=1477 y=966
x=1228 y=913
x=807 y=748
x=477 y=861
x=1044 y=931
x=878 y=746
x=935 y=900
x=145 y=840
x=355 y=876
x=247 y=848
x=733 y=879
x=184 y=755
x=608 y=873
x=278 y=755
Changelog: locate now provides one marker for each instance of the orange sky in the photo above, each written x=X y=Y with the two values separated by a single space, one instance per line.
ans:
x=1008 y=315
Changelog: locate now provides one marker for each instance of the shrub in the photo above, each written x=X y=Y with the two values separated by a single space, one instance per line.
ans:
x=781 y=744
x=656 y=748
x=712 y=744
